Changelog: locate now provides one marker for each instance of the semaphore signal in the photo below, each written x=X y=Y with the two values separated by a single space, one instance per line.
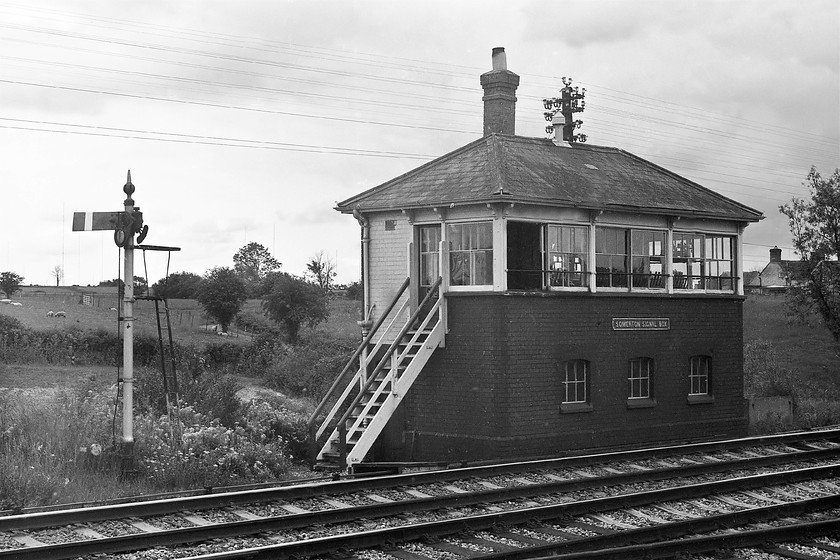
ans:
x=570 y=102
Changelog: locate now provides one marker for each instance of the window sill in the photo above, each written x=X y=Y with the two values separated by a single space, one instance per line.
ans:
x=701 y=399
x=574 y=408
x=641 y=403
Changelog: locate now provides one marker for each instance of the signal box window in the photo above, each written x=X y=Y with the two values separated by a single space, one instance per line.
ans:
x=568 y=253
x=703 y=262
x=647 y=258
x=611 y=253
x=576 y=376
x=470 y=254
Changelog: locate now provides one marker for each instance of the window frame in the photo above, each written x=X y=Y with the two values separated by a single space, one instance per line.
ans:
x=584 y=275
x=703 y=256
x=471 y=254
x=700 y=370
x=575 y=367
x=644 y=382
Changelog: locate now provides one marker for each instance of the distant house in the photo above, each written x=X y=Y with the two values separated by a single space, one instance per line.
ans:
x=776 y=277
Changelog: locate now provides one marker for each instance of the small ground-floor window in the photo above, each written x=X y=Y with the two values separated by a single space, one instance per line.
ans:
x=575 y=385
x=641 y=378
x=700 y=375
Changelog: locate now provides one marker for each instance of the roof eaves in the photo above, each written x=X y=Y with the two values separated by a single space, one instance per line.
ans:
x=758 y=215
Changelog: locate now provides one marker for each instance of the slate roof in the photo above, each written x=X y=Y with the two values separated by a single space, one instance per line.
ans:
x=502 y=168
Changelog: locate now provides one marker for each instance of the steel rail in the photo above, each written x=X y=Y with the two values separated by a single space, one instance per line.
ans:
x=41 y=520
x=45 y=519
x=378 y=537
x=478 y=522
x=646 y=543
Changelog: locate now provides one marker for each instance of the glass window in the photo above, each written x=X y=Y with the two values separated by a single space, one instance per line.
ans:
x=575 y=381
x=470 y=253
x=688 y=261
x=700 y=375
x=611 y=254
x=429 y=251
x=647 y=258
x=719 y=263
x=641 y=376
x=703 y=262
x=568 y=253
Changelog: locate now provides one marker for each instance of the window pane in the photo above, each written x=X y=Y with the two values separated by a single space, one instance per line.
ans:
x=575 y=381
x=471 y=253
x=567 y=255
x=700 y=374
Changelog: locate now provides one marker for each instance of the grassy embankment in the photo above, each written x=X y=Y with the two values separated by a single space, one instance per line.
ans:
x=53 y=408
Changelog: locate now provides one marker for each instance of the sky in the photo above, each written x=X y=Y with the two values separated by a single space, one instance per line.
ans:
x=246 y=121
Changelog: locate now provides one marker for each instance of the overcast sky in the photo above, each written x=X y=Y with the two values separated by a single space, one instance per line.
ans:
x=247 y=121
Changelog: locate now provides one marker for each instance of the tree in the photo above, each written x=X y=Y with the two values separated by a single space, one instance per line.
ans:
x=10 y=283
x=815 y=226
x=322 y=270
x=139 y=283
x=58 y=274
x=178 y=285
x=293 y=302
x=221 y=293
x=254 y=263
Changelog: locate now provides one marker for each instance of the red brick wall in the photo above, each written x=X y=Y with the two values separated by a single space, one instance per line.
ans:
x=495 y=390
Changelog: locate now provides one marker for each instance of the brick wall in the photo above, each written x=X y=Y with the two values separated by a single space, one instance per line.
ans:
x=495 y=390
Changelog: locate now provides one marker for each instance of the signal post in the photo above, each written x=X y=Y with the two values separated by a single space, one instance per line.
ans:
x=126 y=225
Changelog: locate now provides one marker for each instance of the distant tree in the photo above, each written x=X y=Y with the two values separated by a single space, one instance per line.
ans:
x=815 y=225
x=254 y=263
x=139 y=284
x=221 y=293
x=58 y=274
x=10 y=282
x=293 y=302
x=322 y=271
x=178 y=285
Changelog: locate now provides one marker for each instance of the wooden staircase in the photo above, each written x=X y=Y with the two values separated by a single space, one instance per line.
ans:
x=385 y=373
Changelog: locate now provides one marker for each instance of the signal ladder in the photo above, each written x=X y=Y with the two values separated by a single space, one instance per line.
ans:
x=166 y=348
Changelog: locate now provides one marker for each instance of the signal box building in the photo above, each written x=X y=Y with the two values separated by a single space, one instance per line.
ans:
x=579 y=297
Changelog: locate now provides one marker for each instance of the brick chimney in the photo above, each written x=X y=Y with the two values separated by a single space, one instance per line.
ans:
x=775 y=255
x=499 y=96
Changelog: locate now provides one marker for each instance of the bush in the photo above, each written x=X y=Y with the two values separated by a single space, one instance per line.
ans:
x=208 y=453
x=308 y=370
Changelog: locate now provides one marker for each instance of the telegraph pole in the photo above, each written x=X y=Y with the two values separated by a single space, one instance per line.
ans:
x=570 y=102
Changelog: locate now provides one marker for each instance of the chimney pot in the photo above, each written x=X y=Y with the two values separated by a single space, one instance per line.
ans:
x=499 y=59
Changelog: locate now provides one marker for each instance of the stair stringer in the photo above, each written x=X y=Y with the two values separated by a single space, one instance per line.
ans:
x=400 y=387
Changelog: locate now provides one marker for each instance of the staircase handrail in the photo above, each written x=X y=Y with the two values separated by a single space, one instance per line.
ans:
x=342 y=428
x=313 y=418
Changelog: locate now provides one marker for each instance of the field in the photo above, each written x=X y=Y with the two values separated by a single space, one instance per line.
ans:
x=807 y=348
x=189 y=323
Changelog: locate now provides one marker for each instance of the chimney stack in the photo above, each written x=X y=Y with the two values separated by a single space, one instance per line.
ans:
x=775 y=255
x=499 y=96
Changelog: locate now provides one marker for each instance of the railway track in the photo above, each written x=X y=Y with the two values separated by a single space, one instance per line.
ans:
x=575 y=507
